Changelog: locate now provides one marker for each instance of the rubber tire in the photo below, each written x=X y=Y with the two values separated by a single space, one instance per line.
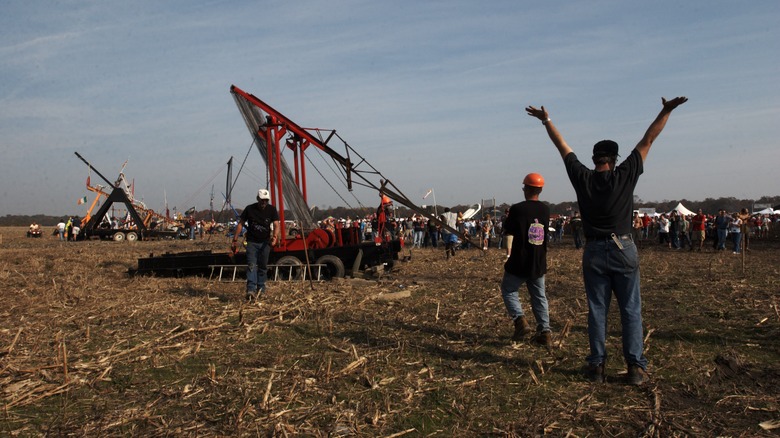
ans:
x=334 y=267
x=118 y=236
x=295 y=266
x=131 y=236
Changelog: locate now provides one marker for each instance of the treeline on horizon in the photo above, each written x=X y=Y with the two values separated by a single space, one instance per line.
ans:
x=708 y=206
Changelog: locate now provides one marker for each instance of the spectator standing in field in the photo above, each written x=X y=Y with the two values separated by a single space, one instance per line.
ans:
x=721 y=227
x=486 y=228
x=526 y=230
x=499 y=229
x=69 y=230
x=674 y=230
x=263 y=230
x=663 y=231
x=698 y=228
x=576 y=230
x=735 y=231
x=433 y=233
x=610 y=262
x=61 y=229
x=419 y=232
x=685 y=232
x=450 y=239
x=647 y=222
x=636 y=227
x=744 y=216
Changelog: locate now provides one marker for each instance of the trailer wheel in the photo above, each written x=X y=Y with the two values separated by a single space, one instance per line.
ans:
x=118 y=236
x=131 y=236
x=290 y=268
x=334 y=267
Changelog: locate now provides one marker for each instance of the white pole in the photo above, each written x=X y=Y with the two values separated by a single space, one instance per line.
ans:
x=435 y=210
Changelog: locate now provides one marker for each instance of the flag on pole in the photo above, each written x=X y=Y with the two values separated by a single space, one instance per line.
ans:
x=427 y=194
x=82 y=201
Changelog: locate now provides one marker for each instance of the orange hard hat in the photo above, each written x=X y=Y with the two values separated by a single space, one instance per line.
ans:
x=534 y=180
x=386 y=200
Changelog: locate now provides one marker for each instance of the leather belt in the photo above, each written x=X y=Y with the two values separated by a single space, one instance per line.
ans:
x=608 y=238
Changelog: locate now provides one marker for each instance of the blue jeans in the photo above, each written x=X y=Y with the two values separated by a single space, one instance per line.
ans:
x=675 y=239
x=721 y=238
x=419 y=236
x=737 y=239
x=607 y=269
x=577 y=238
x=434 y=238
x=510 y=286
x=256 y=266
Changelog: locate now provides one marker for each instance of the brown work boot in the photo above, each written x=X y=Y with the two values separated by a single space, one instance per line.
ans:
x=522 y=329
x=544 y=339
x=636 y=375
x=594 y=373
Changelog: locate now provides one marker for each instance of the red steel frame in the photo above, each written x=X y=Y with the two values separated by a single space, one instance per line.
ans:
x=276 y=128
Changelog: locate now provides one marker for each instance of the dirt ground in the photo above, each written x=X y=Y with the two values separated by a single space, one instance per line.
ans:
x=86 y=350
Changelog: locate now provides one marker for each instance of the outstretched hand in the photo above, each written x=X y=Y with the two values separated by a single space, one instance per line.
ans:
x=674 y=103
x=540 y=114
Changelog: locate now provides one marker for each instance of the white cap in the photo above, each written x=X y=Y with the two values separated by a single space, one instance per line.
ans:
x=263 y=194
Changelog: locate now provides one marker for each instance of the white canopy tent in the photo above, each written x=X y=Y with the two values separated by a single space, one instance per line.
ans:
x=768 y=210
x=680 y=209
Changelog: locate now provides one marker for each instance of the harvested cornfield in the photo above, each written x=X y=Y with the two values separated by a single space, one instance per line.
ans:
x=86 y=350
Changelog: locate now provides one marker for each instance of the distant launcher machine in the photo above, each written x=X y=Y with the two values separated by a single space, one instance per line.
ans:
x=143 y=223
x=336 y=252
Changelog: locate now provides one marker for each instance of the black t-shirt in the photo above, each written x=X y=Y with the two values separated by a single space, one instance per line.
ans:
x=527 y=222
x=258 y=221
x=606 y=199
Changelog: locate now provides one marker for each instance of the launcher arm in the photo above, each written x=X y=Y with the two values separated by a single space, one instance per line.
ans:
x=406 y=202
x=281 y=119
x=110 y=184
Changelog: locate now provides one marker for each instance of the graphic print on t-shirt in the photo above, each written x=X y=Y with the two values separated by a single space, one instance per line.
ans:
x=536 y=233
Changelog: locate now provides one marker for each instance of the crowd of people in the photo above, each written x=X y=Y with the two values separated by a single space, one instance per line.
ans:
x=420 y=231
x=677 y=231
x=68 y=229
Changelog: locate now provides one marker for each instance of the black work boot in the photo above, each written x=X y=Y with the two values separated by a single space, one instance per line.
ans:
x=544 y=339
x=522 y=329
x=594 y=373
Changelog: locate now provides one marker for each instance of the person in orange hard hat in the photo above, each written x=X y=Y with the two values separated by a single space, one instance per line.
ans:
x=534 y=180
x=526 y=234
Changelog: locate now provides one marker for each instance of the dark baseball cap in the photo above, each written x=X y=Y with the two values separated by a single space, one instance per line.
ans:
x=605 y=148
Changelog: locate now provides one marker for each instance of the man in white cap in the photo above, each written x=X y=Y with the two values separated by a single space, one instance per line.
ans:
x=262 y=233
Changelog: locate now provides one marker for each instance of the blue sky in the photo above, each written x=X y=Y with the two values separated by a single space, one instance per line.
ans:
x=430 y=92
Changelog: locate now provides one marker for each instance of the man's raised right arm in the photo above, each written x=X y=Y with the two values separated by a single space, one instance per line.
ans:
x=552 y=131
